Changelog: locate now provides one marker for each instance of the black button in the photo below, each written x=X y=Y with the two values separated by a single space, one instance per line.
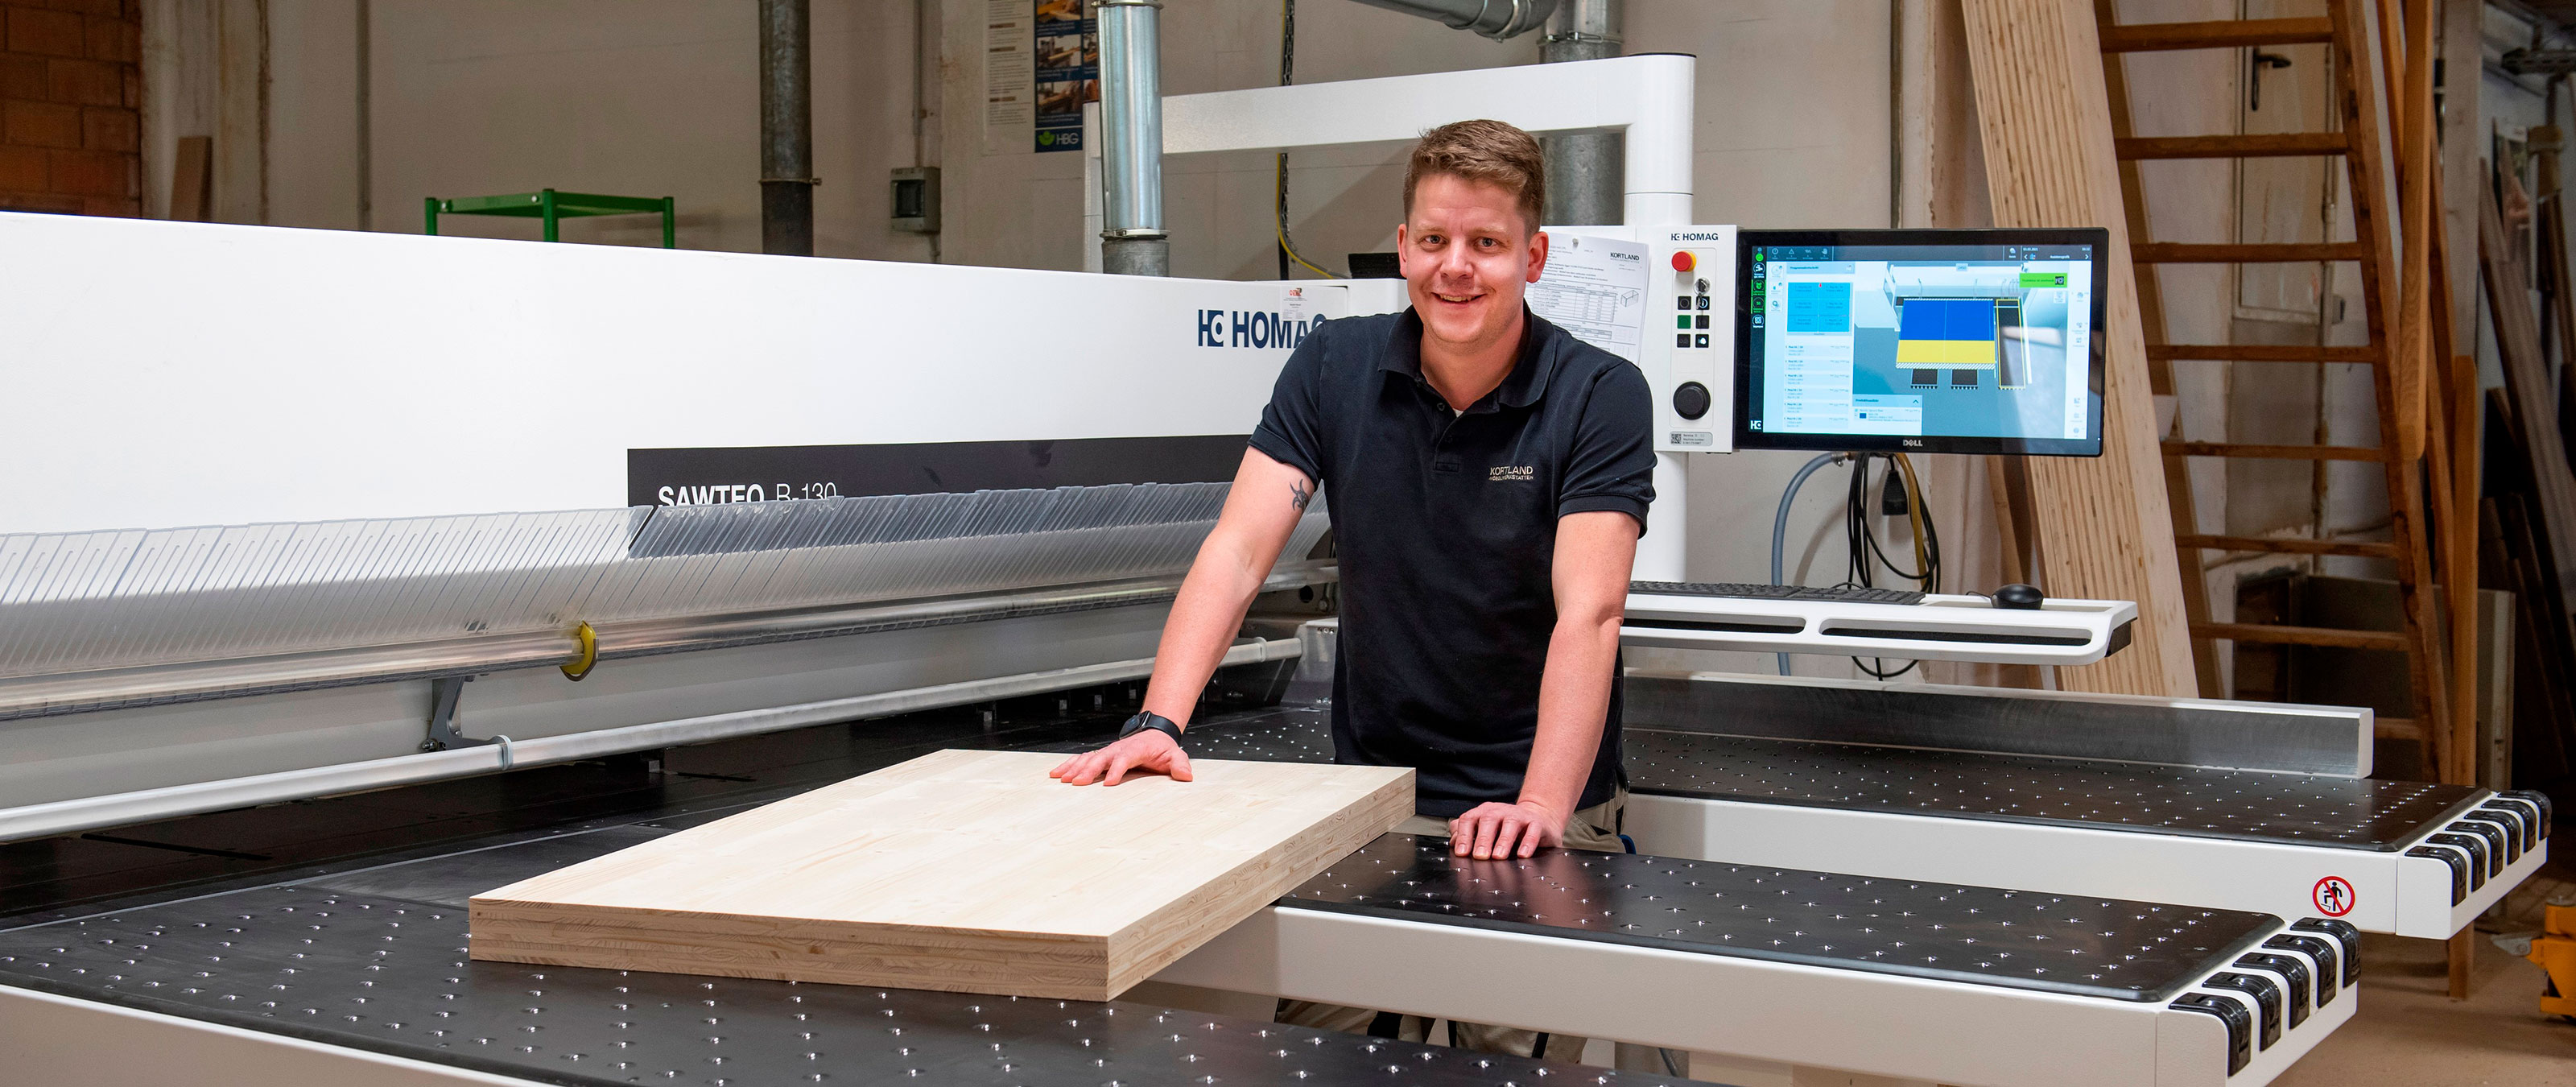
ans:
x=1681 y=339
x=1691 y=400
x=1703 y=320
x=1702 y=301
x=1682 y=303
x=1700 y=340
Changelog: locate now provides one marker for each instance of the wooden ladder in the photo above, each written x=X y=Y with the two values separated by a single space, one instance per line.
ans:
x=2401 y=303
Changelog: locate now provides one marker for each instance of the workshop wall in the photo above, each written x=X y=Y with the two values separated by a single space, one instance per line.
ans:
x=70 y=106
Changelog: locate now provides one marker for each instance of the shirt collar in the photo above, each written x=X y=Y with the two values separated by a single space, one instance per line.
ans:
x=1521 y=388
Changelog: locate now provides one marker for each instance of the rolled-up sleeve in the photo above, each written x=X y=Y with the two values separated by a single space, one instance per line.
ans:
x=1612 y=464
x=1292 y=426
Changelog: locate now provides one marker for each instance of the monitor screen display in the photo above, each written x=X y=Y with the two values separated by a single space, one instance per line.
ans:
x=1944 y=341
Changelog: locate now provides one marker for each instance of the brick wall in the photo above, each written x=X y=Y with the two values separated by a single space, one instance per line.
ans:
x=71 y=84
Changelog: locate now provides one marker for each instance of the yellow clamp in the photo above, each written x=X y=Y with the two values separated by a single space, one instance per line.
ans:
x=589 y=659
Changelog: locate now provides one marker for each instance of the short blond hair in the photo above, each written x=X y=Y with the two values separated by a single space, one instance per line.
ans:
x=1484 y=151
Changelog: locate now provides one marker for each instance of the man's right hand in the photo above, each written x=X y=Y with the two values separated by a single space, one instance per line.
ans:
x=1150 y=751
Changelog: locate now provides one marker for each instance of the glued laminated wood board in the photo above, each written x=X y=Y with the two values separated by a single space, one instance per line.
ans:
x=964 y=871
x=2105 y=531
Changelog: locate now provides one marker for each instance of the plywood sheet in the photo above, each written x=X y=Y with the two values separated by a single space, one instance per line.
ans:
x=966 y=871
x=2104 y=529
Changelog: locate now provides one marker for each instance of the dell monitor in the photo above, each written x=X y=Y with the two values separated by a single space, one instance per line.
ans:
x=1940 y=341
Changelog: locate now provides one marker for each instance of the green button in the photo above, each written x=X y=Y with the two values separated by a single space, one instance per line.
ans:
x=1681 y=322
x=2043 y=279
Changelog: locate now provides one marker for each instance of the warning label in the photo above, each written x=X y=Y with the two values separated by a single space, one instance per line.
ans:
x=2333 y=896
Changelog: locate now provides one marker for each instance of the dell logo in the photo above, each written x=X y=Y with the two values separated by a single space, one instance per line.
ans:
x=1912 y=443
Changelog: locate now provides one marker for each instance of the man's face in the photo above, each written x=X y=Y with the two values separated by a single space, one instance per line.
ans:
x=1467 y=255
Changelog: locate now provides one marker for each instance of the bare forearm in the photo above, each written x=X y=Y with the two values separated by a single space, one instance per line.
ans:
x=1205 y=617
x=1573 y=703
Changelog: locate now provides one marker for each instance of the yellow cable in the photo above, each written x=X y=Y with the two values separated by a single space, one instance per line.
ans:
x=1281 y=221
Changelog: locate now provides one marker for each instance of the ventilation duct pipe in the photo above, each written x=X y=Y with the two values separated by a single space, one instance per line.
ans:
x=1496 y=19
x=786 y=130
x=1132 y=241
x=1584 y=182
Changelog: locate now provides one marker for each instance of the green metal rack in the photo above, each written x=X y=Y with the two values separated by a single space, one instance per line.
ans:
x=551 y=206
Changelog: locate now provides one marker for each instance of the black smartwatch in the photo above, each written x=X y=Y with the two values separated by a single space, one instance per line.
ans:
x=1150 y=720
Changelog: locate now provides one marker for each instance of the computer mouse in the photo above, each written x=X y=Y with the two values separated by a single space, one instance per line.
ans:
x=2019 y=597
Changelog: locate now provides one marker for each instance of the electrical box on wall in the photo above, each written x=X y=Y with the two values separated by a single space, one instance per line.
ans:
x=915 y=199
x=1660 y=297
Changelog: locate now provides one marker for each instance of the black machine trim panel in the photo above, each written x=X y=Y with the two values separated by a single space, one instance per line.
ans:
x=1740 y=590
x=2459 y=864
x=2240 y=1025
x=2105 y=948
x=2320 y=950
x=2475 y=847
x=2503 y=846
x=2266 y=994
x=2346 y=936
x=2294 y=975
x=851 y=471
x=2514 y=816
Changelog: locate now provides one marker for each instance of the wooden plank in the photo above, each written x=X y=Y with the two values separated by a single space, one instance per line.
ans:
x=2534 y=403
x=2366 y=549
x=2248 y=146
x=2104 y=526
x=2273 y=452
x=2261 y=352
x=2366 y=93
x=2289 y=635
x=2397 y=728
x=963 y=871
x=2247 y=252
x=2214 y=34
x=192 y=187
x=2180 y=503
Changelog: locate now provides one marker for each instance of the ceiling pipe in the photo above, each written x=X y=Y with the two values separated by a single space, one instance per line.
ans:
x=1496 y=19
x=1584 y=181
x=786 y=129
x=1132 y=241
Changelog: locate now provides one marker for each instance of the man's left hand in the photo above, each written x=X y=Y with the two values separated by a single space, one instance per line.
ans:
x=1490 y=831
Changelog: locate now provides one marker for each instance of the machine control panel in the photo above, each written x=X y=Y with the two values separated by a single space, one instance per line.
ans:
x=1660 y=297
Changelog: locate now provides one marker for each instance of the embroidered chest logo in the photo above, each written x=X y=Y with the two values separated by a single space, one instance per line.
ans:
x=1511 y=473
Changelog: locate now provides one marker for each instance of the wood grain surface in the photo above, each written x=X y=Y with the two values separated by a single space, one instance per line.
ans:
x=2104 y=529
x=964 y=871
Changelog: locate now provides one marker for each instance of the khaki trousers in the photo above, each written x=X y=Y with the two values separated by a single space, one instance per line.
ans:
x=1596 y=829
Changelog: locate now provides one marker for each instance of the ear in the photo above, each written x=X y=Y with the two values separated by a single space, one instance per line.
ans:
x=1403 y=253
x=1537 y=254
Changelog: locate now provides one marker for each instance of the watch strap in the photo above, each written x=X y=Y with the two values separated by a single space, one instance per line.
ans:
x=1148 y=719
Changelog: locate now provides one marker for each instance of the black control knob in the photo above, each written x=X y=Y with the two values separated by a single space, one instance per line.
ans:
x=1691 y=400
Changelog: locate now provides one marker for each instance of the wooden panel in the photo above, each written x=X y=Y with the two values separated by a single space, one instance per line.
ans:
x=965 y=871
x=2103 y=524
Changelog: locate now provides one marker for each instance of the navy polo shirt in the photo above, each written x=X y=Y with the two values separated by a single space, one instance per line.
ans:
x=1446 y=526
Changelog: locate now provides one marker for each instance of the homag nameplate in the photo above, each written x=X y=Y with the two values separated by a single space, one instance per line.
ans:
x=966 y=871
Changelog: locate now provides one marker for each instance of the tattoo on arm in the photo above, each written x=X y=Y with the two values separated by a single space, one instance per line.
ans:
x=1298 y=496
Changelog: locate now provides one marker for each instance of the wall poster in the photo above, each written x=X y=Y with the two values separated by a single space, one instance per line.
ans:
x=1067 y=74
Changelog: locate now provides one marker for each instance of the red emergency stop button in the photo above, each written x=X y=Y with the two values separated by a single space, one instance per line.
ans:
x=1683 y=261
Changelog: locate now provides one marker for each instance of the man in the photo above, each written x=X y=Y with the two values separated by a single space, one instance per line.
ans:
x=1490 y=476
